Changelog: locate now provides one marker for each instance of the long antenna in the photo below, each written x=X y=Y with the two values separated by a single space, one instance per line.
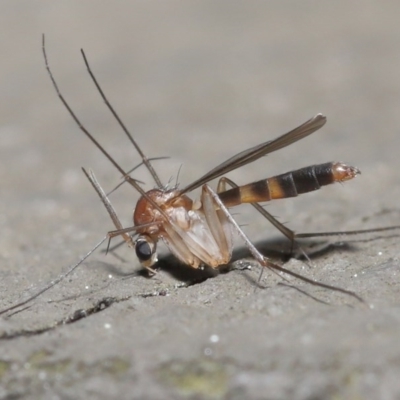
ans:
x=146 y=161
x=126 y=176
x=55 y=281
x=85 y=131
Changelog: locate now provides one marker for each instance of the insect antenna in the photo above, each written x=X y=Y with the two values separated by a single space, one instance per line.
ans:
x=82 y=128
x=110 y=249
x=55 y=281
x=133 y=182
x=146 y=161
x=126 y=176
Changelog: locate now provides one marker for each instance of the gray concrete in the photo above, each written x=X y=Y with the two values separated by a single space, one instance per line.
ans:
x=198 y=81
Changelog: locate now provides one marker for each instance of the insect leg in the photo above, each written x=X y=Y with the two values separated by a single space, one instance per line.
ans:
x=264 y=261
x=353 y=236
x=108 y=205
x=278 y=225
x=219 y=226
x=291 y=235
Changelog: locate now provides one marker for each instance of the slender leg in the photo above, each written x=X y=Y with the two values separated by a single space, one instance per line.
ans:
x=264 y=261
x=108 y=206
x=291 y=235
x=282 y=228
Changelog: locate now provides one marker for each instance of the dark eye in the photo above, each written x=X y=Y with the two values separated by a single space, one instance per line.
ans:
x=143 y=250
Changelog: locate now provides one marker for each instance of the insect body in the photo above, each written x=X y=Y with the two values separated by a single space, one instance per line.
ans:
x=201 y=231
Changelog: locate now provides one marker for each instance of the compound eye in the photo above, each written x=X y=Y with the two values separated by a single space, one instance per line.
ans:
x=145 y=250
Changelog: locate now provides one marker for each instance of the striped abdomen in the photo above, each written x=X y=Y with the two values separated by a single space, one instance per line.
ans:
x=290 y=184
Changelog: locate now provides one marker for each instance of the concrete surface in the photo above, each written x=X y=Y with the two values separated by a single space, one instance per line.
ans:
x=198 y=81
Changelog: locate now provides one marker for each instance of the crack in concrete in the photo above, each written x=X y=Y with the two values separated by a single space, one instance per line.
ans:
x=79 y=314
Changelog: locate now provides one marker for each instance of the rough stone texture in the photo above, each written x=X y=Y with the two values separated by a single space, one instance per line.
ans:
x=198 y=82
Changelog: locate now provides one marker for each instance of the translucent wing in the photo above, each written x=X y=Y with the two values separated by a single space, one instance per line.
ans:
x=254 y=153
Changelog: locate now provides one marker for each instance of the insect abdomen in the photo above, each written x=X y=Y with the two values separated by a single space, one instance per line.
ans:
x=290 y=184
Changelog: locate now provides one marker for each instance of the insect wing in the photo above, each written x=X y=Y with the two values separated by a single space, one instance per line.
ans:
x=254 y=153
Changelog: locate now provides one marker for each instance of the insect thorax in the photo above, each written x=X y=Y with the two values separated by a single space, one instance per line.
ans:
x=182 y=224
x=157 y=206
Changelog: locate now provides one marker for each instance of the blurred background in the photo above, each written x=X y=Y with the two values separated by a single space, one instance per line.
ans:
x=199 y=81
